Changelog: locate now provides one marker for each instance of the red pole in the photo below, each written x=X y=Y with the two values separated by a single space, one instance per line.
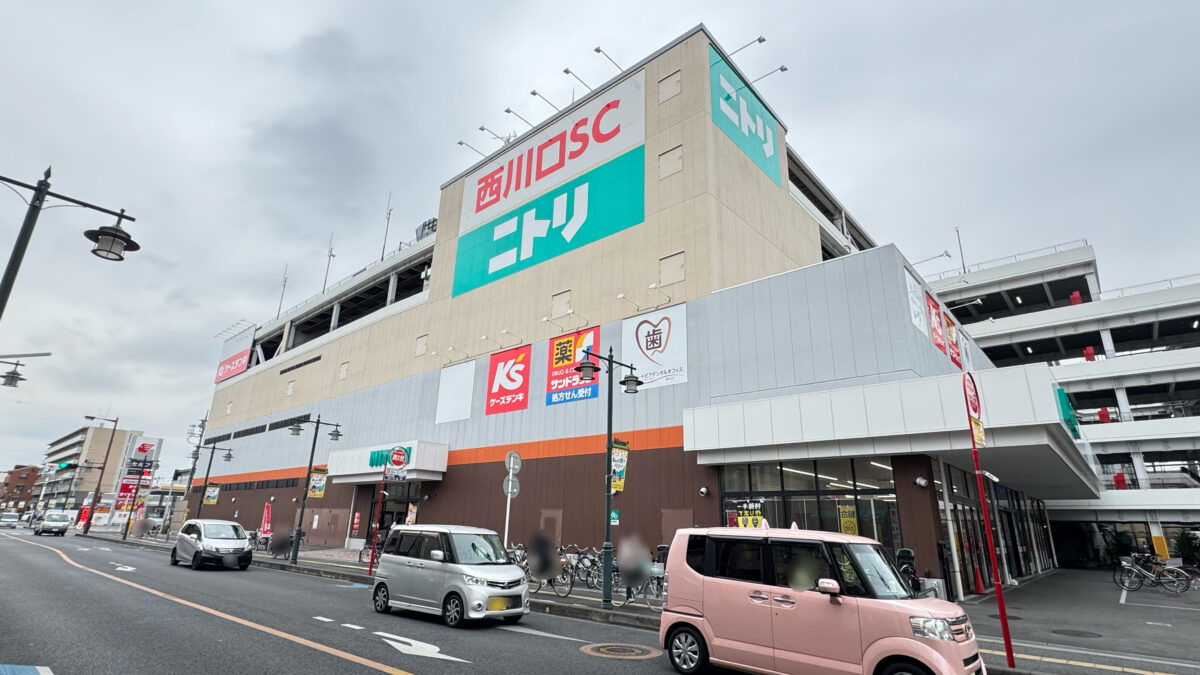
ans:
x=375 y=536
x=987 y=528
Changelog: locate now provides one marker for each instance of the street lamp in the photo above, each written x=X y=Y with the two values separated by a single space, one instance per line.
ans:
x=587 y=373
x=212 y=450
x=96 y=496
x=111 y=241
x=334 y=435
x=12 y=377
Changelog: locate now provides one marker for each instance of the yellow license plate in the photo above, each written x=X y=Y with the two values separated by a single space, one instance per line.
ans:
x=497 y=604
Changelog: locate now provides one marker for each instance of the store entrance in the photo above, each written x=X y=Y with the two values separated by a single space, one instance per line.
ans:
x=400 y=505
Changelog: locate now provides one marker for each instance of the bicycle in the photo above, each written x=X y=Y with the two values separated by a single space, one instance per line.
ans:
x=364 y=554
x=652 y=591
x=521 y=559
x=1141 y=568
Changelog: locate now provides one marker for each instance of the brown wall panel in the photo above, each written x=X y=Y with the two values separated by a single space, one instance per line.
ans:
x=920 y=524
x=333 y=511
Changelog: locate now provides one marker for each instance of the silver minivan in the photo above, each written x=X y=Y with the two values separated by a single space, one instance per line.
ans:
x=458 y=572
x=212 y=542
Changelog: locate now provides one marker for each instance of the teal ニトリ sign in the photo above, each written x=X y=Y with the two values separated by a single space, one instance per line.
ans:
x=599 y=203
x=743 y=118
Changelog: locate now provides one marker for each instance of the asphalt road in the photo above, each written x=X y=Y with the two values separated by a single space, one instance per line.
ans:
x=165 y=619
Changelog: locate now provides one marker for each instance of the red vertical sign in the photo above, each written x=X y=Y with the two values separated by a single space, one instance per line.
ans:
x=937 y=329
x=508 y=381
x=952 y=341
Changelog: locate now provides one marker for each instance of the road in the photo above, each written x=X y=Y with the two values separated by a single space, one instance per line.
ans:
x=80 y=605
x=122 y=610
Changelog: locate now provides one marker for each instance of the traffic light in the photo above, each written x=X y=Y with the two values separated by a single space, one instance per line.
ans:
x=178 y=472
x=63 y=466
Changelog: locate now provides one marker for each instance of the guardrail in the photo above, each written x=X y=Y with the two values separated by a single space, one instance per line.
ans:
x=1150 y=287
x=1027 y=255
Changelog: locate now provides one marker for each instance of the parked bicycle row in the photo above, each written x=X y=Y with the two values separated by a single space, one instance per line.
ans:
x=1146 y=569
x=637 y=577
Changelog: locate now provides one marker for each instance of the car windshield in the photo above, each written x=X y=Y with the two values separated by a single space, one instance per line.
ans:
x=879 y=574
x=224 y=531
x=57 y=518
x=478 y=549
x=9 y=516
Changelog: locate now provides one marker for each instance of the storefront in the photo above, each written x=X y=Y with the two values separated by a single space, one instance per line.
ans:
x=397 y=472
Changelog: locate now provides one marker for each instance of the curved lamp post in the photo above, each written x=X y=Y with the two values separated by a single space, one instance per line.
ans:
x=334 y=435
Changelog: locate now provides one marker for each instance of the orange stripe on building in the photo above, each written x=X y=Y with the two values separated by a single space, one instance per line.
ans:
x=642 y=439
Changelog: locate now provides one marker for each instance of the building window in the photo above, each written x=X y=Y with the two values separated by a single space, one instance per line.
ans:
x=671 y=269
x=420 y=345
x=670 y=86
x=291 y=387
x=670 y=162
x=343 y=370
x=228 y=407
x=560 y=304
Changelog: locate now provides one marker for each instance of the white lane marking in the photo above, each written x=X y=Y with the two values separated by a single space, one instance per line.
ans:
x=43 y=670
x=82 y=549
x=1188 y=609
x=321 y=618
x=352 y=626
x=533 y=631
x=1154 y=623
x=122 y=567
x=1124 y=592
x=414 y=648
x=104 y=548
x=1092 y=652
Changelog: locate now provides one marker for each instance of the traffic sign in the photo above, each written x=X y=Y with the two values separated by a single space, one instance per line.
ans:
x=511 y=487
x=512 y=461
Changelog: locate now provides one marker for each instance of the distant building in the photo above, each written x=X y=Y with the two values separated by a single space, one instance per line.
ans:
x=72 y=464
x=17 y=486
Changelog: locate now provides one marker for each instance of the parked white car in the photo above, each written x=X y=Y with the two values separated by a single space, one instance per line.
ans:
x=212 y=542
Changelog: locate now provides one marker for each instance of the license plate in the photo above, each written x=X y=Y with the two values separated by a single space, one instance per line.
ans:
x=498 y=604
x=231 y=560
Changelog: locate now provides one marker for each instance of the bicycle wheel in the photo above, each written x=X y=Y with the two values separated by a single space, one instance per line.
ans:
x=1130 y=580
x=1194 y=573
x=624 y=596
x=564 y=583
x=1174 y=580
x=655 y=594
x=1117 y=574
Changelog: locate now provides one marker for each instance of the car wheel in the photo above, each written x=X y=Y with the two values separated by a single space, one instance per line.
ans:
x=452 y=611
x=244 y=567
x=904 y=668
x=515 y=618
x=174 y=559
x=36 y=533
x=196 y=561
x=380 y=599
x=687 y=650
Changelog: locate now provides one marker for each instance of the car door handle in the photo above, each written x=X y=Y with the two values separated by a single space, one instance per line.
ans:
x=784 y=600
x=759 y=596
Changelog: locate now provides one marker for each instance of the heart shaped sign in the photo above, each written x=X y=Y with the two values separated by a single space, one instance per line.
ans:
x=653 y=337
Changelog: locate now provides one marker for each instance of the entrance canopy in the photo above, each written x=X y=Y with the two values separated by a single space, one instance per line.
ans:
x=426 y=460
x=1028 y=446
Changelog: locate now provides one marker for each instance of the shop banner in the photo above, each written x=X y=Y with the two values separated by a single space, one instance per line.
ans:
x=508 y=381
x=974 y=409
x=964 y=350
x=235 y=354
x=656 y=345
x=743 y=117
x=316 y=483
x=211 y=493
x=410 y=518
x=264 y=528
x=916 y=304
x=952 y=341
x=125 y=491
x=935 y=322
x=566 y=352
x=620 y=460
x=848 y=516
x=749 y=514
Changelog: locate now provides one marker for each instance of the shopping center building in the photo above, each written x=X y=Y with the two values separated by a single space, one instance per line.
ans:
x=792 y=369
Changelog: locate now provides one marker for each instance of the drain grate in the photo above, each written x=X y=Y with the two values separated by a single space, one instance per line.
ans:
x=1077 y=633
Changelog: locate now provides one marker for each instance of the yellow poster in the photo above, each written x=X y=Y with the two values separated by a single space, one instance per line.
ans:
x=211 y=493
x=977 y=432
x=849 y=517
x=749 y=514
x=316 y=484
x=620 y=461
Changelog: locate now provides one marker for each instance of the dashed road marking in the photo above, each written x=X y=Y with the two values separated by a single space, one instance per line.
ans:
x=532 y=631
x=1081 y=664
x=321 y=618
x=1155 y=623
x=352 y=626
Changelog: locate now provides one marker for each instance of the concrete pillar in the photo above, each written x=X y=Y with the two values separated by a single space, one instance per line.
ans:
x=1123 y=404
x=393 y=280
x=285 y=341
x=1139 y=470
x=1027 y=506
x=956 y=585
x=1106 y=337
x=920 y=522
x=1093 y=284
x=258 y=350
x=1050 y=537
x=337 y=313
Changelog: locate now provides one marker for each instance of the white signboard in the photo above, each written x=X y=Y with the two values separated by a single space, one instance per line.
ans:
x=142 y=448
x=612 y=122
x=656 y=344
x=455 y=392
x=964 y=348
x=916 y=303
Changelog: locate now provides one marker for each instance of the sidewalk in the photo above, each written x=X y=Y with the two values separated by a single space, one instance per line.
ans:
x=342 y=564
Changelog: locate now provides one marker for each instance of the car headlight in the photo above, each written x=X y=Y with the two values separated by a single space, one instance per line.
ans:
x=934 y=629
x=474 y=581
x=209 y=547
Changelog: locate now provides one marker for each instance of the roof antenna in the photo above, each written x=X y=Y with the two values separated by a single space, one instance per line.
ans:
x=387 y=222
x=331 y=256
x=282 y=291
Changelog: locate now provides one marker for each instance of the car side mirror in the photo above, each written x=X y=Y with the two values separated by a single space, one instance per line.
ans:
x=829 y=587
x=437 y=556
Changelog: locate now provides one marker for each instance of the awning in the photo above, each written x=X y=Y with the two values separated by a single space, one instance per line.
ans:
x=426 y=461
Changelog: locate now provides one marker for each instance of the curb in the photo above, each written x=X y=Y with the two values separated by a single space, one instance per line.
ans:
x=1004 y=670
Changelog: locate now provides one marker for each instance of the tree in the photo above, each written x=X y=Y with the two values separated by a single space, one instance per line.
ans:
x=1187 y=547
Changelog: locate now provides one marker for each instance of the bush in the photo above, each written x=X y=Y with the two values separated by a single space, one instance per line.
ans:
x=1187 y=548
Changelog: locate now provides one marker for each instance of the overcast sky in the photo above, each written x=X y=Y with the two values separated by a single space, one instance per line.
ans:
x=240 y=135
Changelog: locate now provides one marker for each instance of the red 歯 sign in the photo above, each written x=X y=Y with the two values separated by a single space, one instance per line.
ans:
x=508 y=381
x=952 y=341
x=937 y=328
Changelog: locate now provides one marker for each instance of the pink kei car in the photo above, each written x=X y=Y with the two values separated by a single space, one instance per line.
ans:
x=799 y=601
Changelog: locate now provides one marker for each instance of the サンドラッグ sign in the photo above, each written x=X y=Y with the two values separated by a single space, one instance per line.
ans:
x=567 y=352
